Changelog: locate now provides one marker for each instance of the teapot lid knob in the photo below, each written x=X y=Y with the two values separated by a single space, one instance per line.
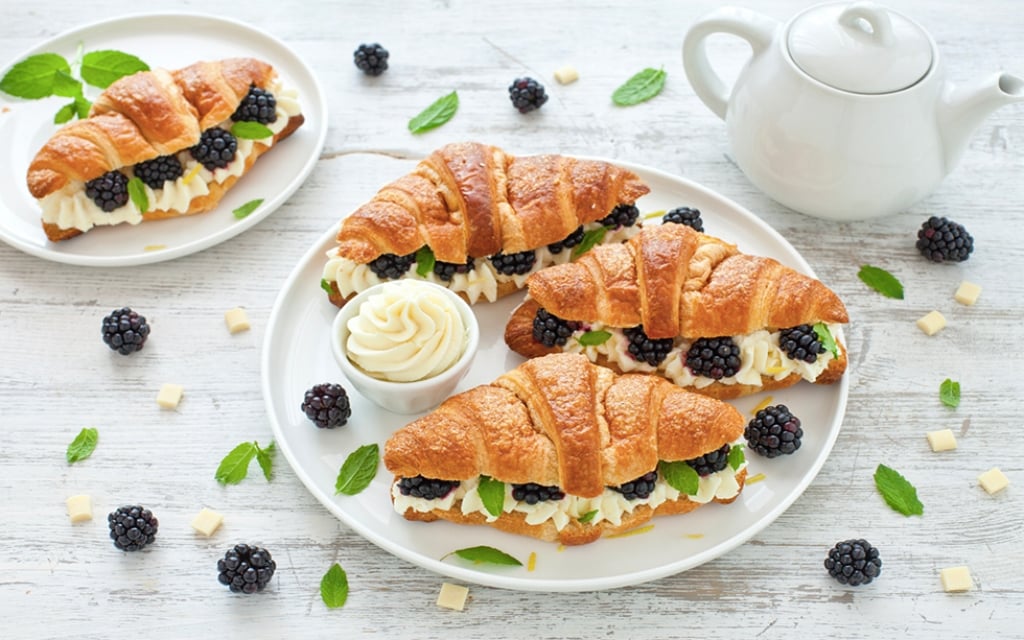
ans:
x=860 y=47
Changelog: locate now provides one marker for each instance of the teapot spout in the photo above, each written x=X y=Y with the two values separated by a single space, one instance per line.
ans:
x=964 y=108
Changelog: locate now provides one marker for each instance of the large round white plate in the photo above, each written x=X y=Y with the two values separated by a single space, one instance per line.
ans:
x=169 y=41
x=297 y=355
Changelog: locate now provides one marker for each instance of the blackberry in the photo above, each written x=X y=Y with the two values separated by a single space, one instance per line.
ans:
x=568 y=242
x=392 y=267
x=801 y=343
x=526 y=94
x=216 y=148
x=685 y=215
x=447 y=270
x=623 y=215
x=709 y=463
x=774 y=431
x=157 y=171
x=514 y=263
x=125 y=331
x=532 y=493
x=371 y=58
x=132 y=527
x=640 y=488
x=426 y=488
x=715 y=358
x=942 y=240
x=326 y=405
x=853 y=562
x=550 y=330
x=109 y=191
x=259 y=105
x=246 y=568
x=645 y=349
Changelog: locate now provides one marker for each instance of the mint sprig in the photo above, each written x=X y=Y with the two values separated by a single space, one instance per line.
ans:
x=425 y=261
x=334 y=587
x=483 y=554
x=247 y=208
x=827 y=341
x=680 y=476
x=441 y=111
x=103 y=68
x=247 y=130
x=640 y=88
x=594 y=338
x=83 y=445
x=736 y=457
x=358 y=470
x=34 y=77
x=492 y=494
x=137 y=192
x=265 y=458
x=326 y=286
x=591 y=238
x=881 y=281
x=897 y=491
x=949 y=393
x=587 y=517
x=235 y=466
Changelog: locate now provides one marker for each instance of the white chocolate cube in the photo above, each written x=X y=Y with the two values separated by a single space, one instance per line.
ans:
x=236 y=319
x=79 y=508
x=943 y=440
x=452 y=596
x=207 y=521
x=566 y=74
x=931 y=323
x=956 y=579
x=967 y=293
x=993 y=480
x=170 y=396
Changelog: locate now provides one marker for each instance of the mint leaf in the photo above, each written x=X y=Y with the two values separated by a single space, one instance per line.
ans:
x=34 y=77
x=265 y=458
x=827 y=341
x=137 y=192
x=490 y=555
x=594 y=338
x=334 y=587
x=881 y=281
x=247 y=208
x=358 y=470
x=83 y=445
x=897 y=491
x=65 y=114
x=587 y=517
x=102 y=68
x=440 y=112
x=66 y=86
x=736 y=457
x=425 y=261
x=251 y=130
x=949 y=393
x=590 y=239
x=235 y=466
x=326 y=286
x=680 y=476
x=640 y=88
x=492 y=494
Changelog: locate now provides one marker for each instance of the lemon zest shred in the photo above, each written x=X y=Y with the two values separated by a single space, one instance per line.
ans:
x=191 y=174
x=633 y=532
x=531 y=564
x=154 y=247
x=694 y=536
x=764 y=403
x=754 y=479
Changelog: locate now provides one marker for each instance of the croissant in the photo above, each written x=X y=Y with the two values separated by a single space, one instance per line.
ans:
x=156 y=117
x=581 y=451
x=689 y=307
x=477 y=220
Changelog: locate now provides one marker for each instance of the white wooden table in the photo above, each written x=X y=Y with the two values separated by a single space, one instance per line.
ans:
x=60 y=581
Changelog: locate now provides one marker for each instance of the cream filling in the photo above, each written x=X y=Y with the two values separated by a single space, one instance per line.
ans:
x=479 y=282
x=71 y=208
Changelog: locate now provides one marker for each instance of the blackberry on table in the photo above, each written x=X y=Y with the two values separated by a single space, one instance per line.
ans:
x=623 y=215
x=514 y=263
x=109 y=191
x=526 y=94
x=685 y=215
x=532 y=493
x=942 y=240
x=550 y=330
x=426 y=488
x=774 y=431
x=327 y=405
x=124 y=331
x=246 y=568
x=853 y=562
x=568 y=242
x=447 y=270
x=157 y=171
x=801 y=343
x=711 y=462
x=372 y=59
x=259 y=105
x=640 y=488
x=216 y=148
x=132 y=527
x=645 y=349
x=714 y=358
x=389 y=266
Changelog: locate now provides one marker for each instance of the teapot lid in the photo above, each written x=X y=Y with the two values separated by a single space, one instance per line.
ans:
x=859 y=47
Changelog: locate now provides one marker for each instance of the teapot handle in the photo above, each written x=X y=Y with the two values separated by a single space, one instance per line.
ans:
x=756 y=29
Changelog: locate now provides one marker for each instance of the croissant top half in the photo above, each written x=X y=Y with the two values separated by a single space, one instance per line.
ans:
x=560 y=420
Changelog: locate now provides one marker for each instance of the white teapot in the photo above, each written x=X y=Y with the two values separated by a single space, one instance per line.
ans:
x=844 y=112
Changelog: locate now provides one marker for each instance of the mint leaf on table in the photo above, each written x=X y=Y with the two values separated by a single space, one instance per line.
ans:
x=265 y=458
x=235 y=466
x=247 y=130
x=440 y=112
x=827 y=341
x=881 y=281
x=425 y=261
x=590 y=240
x=83 y=445
x=137 y=192
x=949 y=393
x=479 y=555
x=640 y=88
x=736 y=457
x=334 y=587
x=492 y=494
x=358 y=470
x=247 y=208
x=897 y=491
x=34 y=77
x=102 y=68
x=680 y=476
x=594 y=338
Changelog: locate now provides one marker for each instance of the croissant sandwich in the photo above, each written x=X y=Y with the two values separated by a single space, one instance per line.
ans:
x=477 y=220
x=688 y=307
x=564 y=450
x=186 y=135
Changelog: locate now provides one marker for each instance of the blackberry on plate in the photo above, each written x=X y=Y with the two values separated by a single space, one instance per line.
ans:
x=259 y=105
x=623 y=215
x=392 y=267
x=685 y=215
x=514 y=263
x=801 y=343
x=942 y=240
x=715 y=358
x=216 y=148
x=645 y=349
x=125 y=331
x=709 y=463
x=447 y=270
x=426 y=488
x=774 y=431
x=640 y=488
x=372 y=59
x=109 y=191
x=526 y=94
x=157 y=171
x=132 y=527
x=550 y=330
x=326 y=405
x=568 y=242
x=532 y=493
x=246 y=568
x=853 y=562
